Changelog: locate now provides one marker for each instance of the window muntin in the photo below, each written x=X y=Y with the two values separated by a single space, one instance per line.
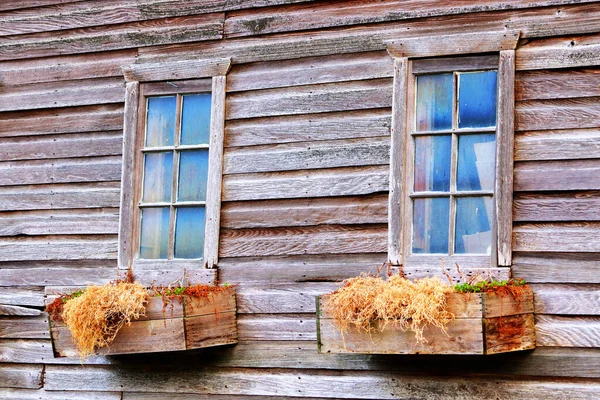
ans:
x=452 y=180
x=172 y=206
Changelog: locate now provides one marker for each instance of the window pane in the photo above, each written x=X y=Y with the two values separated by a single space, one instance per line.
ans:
x=160 y=126
x=189 y=232
x=432 y=163
x=193 y=173
x=476 y=156
x=473 y=225
x=195 y=120
x=158 y=177
x=434 y=102
x=154 y=241
x=430 y=225
x=477 y=99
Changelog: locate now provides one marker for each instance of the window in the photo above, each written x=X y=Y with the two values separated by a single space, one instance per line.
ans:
x=172 y=165
x=451 y=155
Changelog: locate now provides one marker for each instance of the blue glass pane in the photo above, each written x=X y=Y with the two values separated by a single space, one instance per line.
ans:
x=432 y=163
x=473 y=225
x=476 y=156
x=193 y=173
x=477 y=92
x=189 y=232
x=154 y=238
x=158 y=177
x=434 y=102
x=160 y=126
x=195 y=120
x=430 y=225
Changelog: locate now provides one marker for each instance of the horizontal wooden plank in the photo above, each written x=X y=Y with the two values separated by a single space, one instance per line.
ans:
x=564 y=52
x=22 y=296
x=560 y=331
x=24 y=327
x=326 y=239
x=277 y=327
x=333 y=210
x=97 y=169
x=65 y=68
x=64 y=120
x=302 y=268
x=90 y=221
x=557 y=114
x=41 y=394
x=308 y=127
x=18 y=311
x=326 y=14
x=58 y=249
x=567 y=299
x=61 y=146
x=40 y=351
x=557 y=237
x=557 y=144
x=299 y=184
x=269 y=298
x=59 y=196
x=462 y=63
x=11 y=5
x=191 y=28
x=56 y=276
x=498 y=306
x=180 y=69
x=557 y=175
x=62 y=94
x=310 y=71
x=27 y=376
x=308 y=155
x=567 y=206
x=382 y=385
x=344 y=96
x=557 y=84
x=557 y=267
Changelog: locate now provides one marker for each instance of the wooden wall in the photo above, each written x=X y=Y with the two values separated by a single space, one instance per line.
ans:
x=304 y=192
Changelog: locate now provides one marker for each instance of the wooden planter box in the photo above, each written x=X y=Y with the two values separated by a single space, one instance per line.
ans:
x=194 y=324
x=485 y=323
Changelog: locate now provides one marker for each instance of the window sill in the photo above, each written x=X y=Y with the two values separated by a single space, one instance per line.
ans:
x=486 y=323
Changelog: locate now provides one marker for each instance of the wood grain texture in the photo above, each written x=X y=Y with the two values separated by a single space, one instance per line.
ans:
x=557 y=144
x=25 y=275
x=180 y=69
x=557 y=114
x=329 y=97
x=41 y=394
x=41 y=248
x=509 y=333
x=26 y=376
x=40 y=351
x=557 y=268
x=11 y=5
x=114 y=37
x=446 y=45
x=567 y=299
x=561 y=331
x=27 y=327
x=325 y=239
x=7 y=310
x=310 y=71
x=308 y=155
x=33 y=223
x=503 y=190
x=300 y=184
x=59 y=196
x=23 y=296
x=557 y=84
x=308 y=128
x=569 y=52
x=65 y=120
x=318 y=211
x=557 y=237
x=63 y=94
x=557 y=175
x=276 y=327
x=567 y=206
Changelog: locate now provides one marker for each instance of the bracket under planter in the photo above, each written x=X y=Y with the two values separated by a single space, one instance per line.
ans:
x=485 y=323
x=192 y=324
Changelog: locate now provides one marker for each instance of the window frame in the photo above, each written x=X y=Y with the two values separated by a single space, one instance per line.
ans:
x=430 y=55
x=179 y=77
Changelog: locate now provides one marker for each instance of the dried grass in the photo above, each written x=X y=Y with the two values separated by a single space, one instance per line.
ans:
x=398 y=302
x=95 y=317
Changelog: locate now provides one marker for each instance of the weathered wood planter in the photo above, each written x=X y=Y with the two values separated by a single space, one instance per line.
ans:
x=486 y=323
x=194 y=324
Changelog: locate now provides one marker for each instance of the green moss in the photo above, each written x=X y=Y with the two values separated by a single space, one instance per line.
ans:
x=485 y=286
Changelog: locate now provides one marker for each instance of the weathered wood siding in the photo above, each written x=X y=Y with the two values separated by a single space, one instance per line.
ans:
x=305 y=188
